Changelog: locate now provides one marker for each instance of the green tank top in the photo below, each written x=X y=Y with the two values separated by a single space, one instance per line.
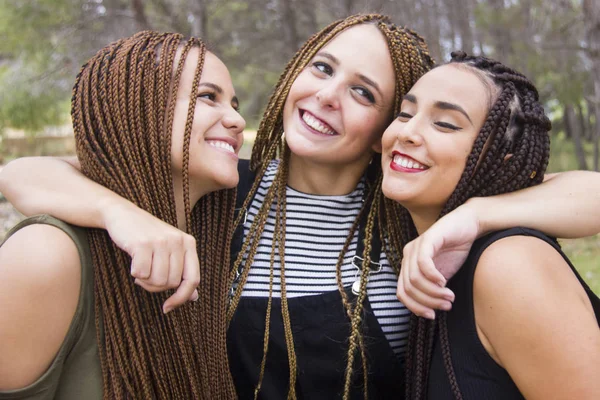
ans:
x=75 y=373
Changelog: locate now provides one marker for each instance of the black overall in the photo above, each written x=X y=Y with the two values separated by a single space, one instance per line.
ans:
x=321 y=331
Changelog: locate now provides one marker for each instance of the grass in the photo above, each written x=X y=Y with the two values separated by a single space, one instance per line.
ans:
x=585 y=255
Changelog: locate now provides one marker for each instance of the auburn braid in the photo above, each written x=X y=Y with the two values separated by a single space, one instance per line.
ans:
x=122 y=110
x=410 y=58
x=510 y=153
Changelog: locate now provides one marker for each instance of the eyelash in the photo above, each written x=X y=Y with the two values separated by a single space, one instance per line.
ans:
x=441 y=124
x=212 y=95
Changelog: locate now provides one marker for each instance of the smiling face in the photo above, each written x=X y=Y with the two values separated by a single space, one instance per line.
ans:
x=340 y=103
x=425 y=149
x=217 y=127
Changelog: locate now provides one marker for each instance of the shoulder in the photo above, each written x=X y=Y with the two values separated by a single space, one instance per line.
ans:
x=534 y=317
x=40 y=279
x=520 y=263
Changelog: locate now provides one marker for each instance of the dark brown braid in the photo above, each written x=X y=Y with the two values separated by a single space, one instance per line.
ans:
x=510 y=153
x=410 y=59
x=123 y=109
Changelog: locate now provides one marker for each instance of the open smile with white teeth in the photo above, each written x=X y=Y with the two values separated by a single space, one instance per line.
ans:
x=409 y=163
x=316 y=124
x=221 y=145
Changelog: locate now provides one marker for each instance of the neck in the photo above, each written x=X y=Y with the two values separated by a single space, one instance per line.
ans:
x=423 y=218
x=195 y=194
x=324 y=179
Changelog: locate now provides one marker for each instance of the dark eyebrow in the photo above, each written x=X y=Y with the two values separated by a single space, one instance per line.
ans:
x=216 y=88
x=443 y=105
x=410 y=97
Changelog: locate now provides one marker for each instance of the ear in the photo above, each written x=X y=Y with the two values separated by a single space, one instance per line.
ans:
x=377 y=147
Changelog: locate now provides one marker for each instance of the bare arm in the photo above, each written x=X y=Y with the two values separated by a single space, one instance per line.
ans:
x=566 y=205
x=163 y=257
x=45 y=185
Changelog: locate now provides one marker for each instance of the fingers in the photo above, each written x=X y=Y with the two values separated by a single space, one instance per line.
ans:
x=190 y=279
x=141 y=263
x=422 y=292
x=423 y=259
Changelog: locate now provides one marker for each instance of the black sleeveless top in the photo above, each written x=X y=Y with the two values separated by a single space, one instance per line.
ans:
x=477 y=374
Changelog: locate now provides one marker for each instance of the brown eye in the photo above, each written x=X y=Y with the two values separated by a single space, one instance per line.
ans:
x=207 y=95
x=323 y=67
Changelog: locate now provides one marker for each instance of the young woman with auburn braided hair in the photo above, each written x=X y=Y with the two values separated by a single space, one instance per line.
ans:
x=305 y=319
x=155 y=120
x=524 y=324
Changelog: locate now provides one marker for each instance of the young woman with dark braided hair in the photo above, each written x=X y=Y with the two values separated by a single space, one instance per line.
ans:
x=305 y=318
x=524 y=324
x=155 y=120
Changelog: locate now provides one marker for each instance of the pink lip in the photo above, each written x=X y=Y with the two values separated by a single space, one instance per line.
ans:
x=301 y=112
x=400 y=168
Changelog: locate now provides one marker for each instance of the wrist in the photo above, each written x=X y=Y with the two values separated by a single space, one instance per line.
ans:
x=480 y=211
x=109 y=208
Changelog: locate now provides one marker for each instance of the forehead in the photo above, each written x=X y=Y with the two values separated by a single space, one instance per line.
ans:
x=452 y=84
x=363 y=48
x=213 y=70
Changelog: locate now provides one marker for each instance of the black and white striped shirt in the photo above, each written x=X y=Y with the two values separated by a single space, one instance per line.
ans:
x=316 y=230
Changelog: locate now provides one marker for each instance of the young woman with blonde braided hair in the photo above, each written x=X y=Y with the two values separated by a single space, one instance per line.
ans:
x=524 y=324
x=311 y=326
x=155 y=120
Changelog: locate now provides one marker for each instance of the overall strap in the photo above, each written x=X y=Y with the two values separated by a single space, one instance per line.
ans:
x=247 y=177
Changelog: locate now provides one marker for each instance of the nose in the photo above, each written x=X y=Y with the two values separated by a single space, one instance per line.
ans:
x=329 y=95
x=409 y=132
x=233 y=120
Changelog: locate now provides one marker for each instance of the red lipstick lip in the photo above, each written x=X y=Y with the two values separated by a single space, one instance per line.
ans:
x=400 y=168
x=301 y=112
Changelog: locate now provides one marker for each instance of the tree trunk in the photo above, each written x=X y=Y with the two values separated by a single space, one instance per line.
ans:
x=591 y=12
x=499 y=33
x=463 y=18
x=288 y=21
x=199 y=27
x=431 y=21
x=140 y=15
x=575 y=134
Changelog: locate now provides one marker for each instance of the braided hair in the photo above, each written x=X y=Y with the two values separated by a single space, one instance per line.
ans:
x=410 y=58
x=510 y=153
x=123 y=110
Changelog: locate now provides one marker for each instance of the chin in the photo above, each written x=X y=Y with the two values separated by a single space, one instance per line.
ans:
x=394 y=191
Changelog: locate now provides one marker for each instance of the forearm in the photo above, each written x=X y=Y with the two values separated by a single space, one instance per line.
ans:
x=566 y=205
x=44 y=185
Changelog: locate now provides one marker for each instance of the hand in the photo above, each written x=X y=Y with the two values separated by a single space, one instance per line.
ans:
x=162 y=256
x=433 y=258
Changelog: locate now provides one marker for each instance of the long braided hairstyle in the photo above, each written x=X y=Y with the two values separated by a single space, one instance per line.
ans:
x=410 y=59
x=510 y=153
x=123 y=109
